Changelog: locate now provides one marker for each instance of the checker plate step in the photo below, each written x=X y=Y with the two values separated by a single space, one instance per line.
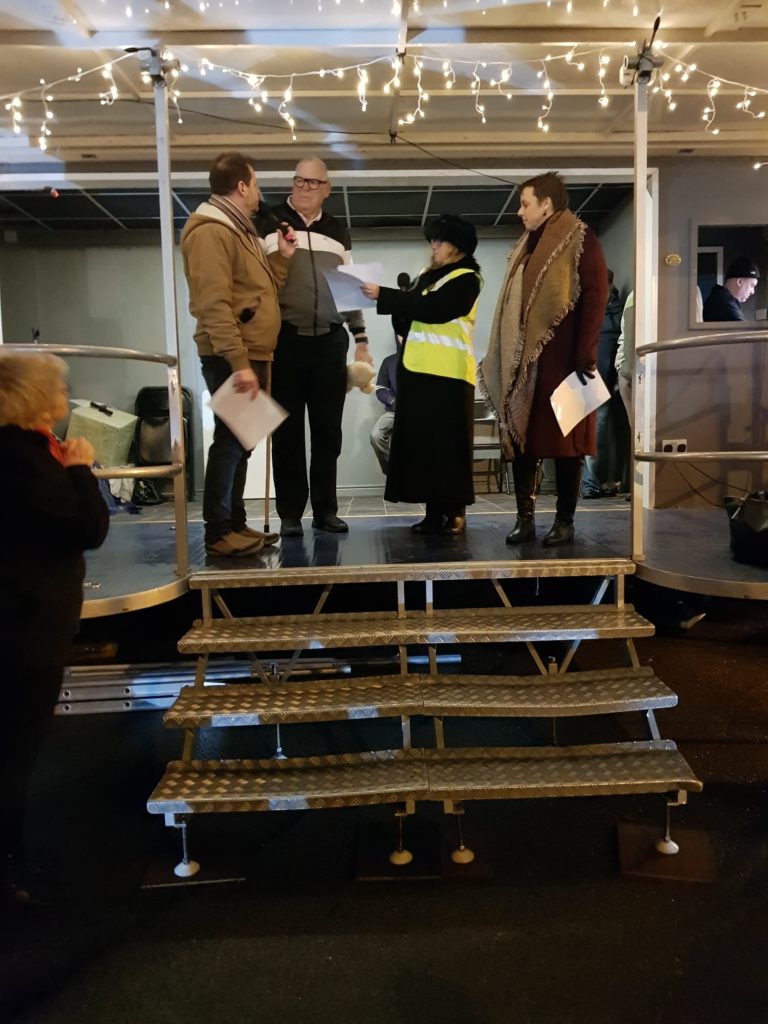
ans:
x=199 y=787
x=605 y=691
x=366 y=629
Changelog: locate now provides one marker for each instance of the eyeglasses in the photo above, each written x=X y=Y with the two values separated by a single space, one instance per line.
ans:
x=311 y=183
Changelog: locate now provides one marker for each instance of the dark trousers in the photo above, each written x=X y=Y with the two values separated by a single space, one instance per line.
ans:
x=37 y=624
x=29 y=697
x=309 y=376
x=223 y=507
x=567 y=479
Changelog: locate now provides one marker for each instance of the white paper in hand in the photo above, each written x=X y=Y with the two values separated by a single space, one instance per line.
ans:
x=345 y=282
x=250 y=420
x=571 y=401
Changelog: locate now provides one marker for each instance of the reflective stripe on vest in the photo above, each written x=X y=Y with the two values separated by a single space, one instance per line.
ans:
x=444 y=350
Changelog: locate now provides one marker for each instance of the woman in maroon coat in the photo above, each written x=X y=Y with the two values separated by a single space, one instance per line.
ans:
x=547 y=325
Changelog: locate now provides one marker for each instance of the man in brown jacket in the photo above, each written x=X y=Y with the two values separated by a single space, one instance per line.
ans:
x=233 y=295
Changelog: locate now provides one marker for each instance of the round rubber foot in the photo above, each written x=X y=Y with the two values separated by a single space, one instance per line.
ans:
x=400 y=857
x=187 y=870
x=668 y=846
x=462 y=856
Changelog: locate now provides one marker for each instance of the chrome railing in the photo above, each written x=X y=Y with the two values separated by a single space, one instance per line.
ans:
x=693 y=341
x=173 y=470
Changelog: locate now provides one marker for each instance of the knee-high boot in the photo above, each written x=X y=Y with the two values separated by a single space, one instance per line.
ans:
x=567 y=481
x=525 y=473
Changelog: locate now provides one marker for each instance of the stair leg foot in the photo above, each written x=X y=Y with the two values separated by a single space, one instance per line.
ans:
x=186 y=868
x=400 y=856
x=667 y=846
x=462 y=854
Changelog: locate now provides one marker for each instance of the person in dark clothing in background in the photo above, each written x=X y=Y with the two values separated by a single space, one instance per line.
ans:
x=724 y=301
x=52 y=513
x=386 y=387
x=602 y=475
x=431 y=454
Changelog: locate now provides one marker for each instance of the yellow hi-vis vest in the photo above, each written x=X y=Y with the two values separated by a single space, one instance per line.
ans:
x=444 y=350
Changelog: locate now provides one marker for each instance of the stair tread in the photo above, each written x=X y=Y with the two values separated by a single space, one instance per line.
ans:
x=527 y=568
x=602 y=691
x=394 y=776
x=364 y=629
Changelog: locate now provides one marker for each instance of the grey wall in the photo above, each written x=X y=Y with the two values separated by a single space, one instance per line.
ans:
x=97 y=294
x=617 y=240
x=715 y=398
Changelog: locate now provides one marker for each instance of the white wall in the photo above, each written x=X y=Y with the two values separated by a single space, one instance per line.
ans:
x=112 y=295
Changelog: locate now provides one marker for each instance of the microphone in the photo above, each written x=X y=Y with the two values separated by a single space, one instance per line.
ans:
x=403 y=282
x=266 y=211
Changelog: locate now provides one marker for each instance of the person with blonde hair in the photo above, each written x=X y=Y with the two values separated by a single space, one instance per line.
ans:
x=51 y=512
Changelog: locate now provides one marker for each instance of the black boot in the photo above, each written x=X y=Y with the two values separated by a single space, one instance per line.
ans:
x=525 y=473
x=432 y=521
x=559 y=533
x=523 y=530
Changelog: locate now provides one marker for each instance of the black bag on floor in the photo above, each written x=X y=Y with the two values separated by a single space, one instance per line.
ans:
x=152 y=444
x=748 y=519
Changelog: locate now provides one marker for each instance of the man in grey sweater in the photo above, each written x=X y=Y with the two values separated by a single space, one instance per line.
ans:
x=309 y=371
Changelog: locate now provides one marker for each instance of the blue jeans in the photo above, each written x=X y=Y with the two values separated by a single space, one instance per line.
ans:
x=223 y=507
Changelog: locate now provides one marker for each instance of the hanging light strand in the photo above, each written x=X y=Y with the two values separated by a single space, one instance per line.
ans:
x=475 y=88
x=542 y=124
x=602 y=69
x=710 y=111
x=421 y=96
x=284 y=110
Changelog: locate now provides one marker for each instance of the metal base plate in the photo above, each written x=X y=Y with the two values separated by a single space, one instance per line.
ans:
x=375 y=842
x=638 y=854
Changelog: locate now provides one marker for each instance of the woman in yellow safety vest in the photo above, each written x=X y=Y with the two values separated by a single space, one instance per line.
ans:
x=431 y=451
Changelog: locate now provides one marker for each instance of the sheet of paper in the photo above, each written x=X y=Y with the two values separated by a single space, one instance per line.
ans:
x=373 y=272
x=251 y=421
x=345 y=290
x=572 y=401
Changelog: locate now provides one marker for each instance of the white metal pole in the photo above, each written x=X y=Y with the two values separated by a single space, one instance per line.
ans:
x=170 y=316
x=641 y=298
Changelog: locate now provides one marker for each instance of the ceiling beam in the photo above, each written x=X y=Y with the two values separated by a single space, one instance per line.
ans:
x=382 y=40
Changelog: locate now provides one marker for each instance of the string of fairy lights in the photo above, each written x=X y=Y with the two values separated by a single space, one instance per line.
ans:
x=485 y=79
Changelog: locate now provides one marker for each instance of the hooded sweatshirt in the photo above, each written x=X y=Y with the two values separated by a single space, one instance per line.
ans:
x=232 y=288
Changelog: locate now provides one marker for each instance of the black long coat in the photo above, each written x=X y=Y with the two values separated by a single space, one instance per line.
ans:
x=431 y=450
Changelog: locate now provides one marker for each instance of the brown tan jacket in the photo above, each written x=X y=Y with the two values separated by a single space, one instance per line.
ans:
x=228 y=273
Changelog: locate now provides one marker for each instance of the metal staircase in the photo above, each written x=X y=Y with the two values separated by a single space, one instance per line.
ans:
x=406 y=776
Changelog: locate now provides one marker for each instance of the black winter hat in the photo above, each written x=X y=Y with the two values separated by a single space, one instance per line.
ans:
x=450 y=228
x=743 y=266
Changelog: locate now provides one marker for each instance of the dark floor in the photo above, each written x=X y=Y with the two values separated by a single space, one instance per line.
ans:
x=552 y=933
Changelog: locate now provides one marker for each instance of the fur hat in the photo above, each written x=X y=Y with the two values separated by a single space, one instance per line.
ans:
x=743 y=266
x=450 y=228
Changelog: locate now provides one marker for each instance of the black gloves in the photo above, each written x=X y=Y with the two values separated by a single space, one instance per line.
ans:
x=584 y=370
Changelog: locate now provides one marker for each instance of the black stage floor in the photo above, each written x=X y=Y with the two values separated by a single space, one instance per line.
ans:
x=684 y=549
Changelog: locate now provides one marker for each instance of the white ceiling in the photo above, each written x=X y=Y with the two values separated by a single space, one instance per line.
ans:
x=51 y=39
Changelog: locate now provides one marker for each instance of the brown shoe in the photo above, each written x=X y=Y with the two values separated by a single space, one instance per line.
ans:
x=267 y=538
x=234 y=545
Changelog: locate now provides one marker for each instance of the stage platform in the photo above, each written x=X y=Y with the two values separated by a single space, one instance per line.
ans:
x=685 y=549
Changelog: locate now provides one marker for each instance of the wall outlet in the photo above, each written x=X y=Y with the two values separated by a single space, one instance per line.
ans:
x=676 y=445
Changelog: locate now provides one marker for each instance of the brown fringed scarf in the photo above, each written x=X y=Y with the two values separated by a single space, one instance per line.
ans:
x=537 y=293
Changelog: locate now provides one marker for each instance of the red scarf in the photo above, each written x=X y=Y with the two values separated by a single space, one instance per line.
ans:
x=53 y=445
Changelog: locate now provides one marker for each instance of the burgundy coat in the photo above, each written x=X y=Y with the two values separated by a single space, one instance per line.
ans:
x=574 y=341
